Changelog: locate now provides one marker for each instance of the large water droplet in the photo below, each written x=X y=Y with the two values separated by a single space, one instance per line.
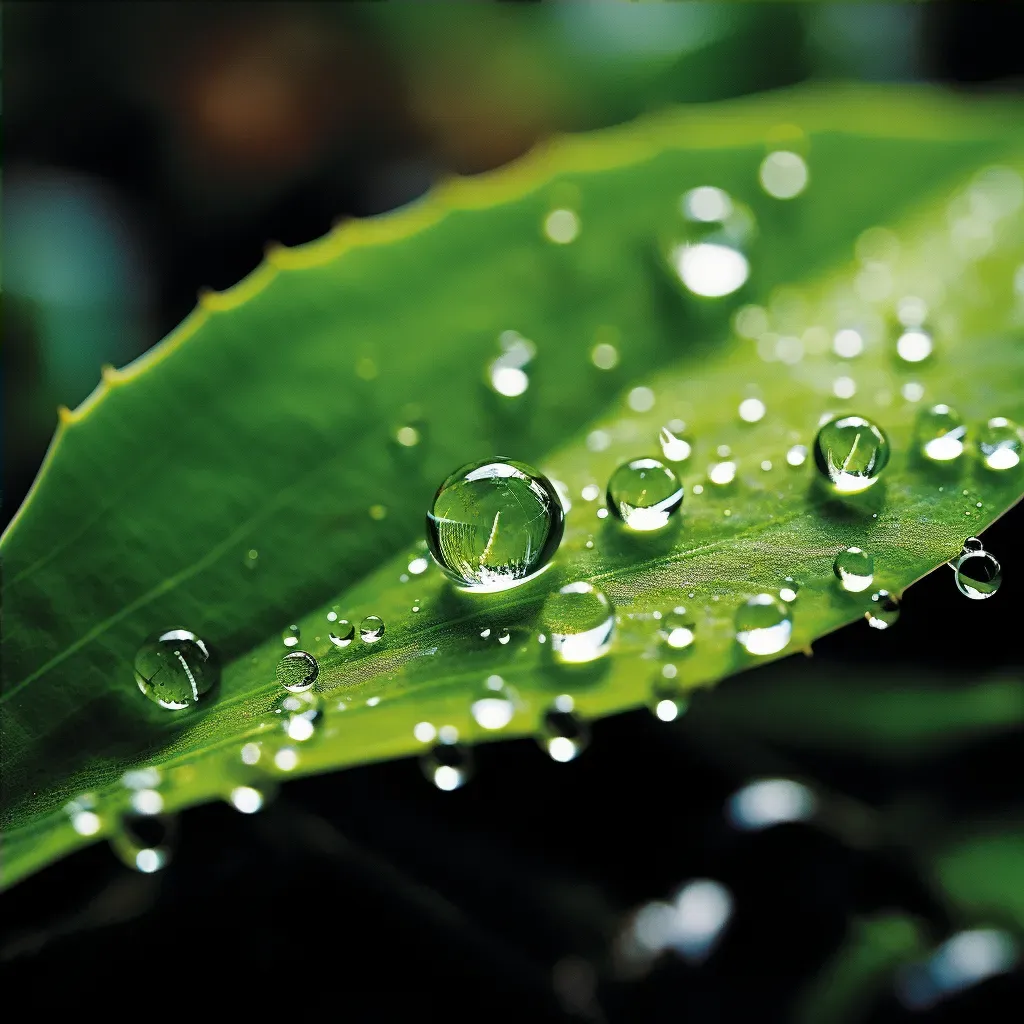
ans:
x=175 y=669
x=978 y=572
x=707 y=251
x=494 y=524
x=371 y=629
x=763 y=625
x=884 y=610
x=1001 y=443
x=855 y=569
x=644 y=493
x=447 y=765
x=297 y=671
x=677 y=629
x=940 y=432
x=851 y=452
x=581 y=622
x=564 y=735
x=300 y=715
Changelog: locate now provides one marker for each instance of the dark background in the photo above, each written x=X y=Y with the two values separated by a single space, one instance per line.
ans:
x=153 y=149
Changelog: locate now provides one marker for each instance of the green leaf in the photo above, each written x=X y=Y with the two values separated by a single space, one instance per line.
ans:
x=266 y=423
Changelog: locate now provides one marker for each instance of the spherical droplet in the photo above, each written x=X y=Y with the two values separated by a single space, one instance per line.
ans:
x=144 y=842
x=371 y=629
x=562 y=226
x=790 y=590
x=783 y=174
x=1001 y=443
x=706 y=248
x=508 y=375
x=978 y=574
x=494 y=524
x=341 y=632
x=884 y=610
x=290 y=636
x=751 y=410
x=495 y=708
x=855 y=569
x=677 y=629
x=851 y=452
x=175 y=669
x=667 y=701
x=797 y=455
x=914 y=345
x=581 y=622
x=447 y=765
x=297 y=671
x=940 y=432
x=644 y=493
x=564 y=735
x=300 y=715
x=674 y=448
x=763 y=625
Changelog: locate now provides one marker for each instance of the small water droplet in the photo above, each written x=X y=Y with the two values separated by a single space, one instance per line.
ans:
x=914 y=345
x=300 y=715
x=673 y=447
x=494 y=524
x=766 y=465
x=912 y=391
x=504 y=636
x=783 y=174
x=797 y=455
x=418 y=566
x=722 y=473
x=851 y=452
x=978 y=572
x=83 y=813
x=667 y=701
x=561 y=226
x=599 y=440
x=723 y=451
x=855 y=569
x=297 y=671
x=485 y=632
x=341 y=632
x=884 y=610
x=508 y=375
x=1001 y=443
x=677 y=629
x=698 y=488
x=940 y=431
x=590 y=492
x=290 y=636
x=408 y=436
x=496 y=708
x=752 y=410
x=706 y=252
x=640 y=399
x=581 y=622
x=175 y=669
x=248 y=799
x=644 y=493
x=252 y=558
x=415 y=607
x=790 y=590
x=371 y=629
x=763 y=625
x=848 y=343
x=844 y=387
x=447 y=765
x=424 y=732
x=144 y=842
x=564 y=735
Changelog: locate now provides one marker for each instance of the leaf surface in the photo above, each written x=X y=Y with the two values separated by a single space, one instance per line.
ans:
x=267 y=422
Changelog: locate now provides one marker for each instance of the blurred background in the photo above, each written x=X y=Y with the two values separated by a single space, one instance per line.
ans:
x=153 y=149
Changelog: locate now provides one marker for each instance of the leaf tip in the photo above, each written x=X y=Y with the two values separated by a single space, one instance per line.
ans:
x=110 y=375
x=65 y=416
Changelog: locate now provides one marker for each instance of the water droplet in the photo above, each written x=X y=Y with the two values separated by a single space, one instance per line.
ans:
x=408 y=436
x=297 y=671
x=674 y=448
x=504 y=636
x=848 y=343
x=940 y=432
x=290 y=636
x=912 y=391
x=722 y=473
x=790 y=590
x=855 y=569
x=561 y=226
x=884 y=610
x=763 y=625
x=797 y=455
x=252 y=558
x=83 y=814
x=300 y=715
x=494 y=524
x=509 y=373
x=605 y=356
x=286 y=759
x=590 y=492
x=496 y=708
x=640 y=399
x=914 y=345
x=1001 y=443
x=751 y=410
x=447 y=765
x=978 y=572
x=424 y=732
x=851 y=452
x=341 y=632
x=707 y=254
x=783 y=174
x=844 y=387
x=144 y=842
x=418 y=566
x=371 y=629
x=766 y=465
x=248 y=799
x=581 y=622
x=175 y=669
x=667 y=701
x=677 y=628
x=564 y=735
x=644 y=493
